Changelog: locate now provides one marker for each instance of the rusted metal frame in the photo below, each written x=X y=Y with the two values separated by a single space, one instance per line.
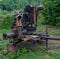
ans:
x=47 y=36
x=38 y=34
x=51 y=38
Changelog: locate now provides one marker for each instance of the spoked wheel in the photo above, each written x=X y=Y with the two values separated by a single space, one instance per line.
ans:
x=11 y=48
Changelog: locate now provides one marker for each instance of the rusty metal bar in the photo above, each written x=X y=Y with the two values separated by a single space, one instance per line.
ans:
x=51 y=38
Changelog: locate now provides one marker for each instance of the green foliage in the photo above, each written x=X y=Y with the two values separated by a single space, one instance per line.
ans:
x=6 y=19
x=51 y=12
x=23 y=52
x=55 y=55
x=15 y=4
x=20 y=52
x=7 y=22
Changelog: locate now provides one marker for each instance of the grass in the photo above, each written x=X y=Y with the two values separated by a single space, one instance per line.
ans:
x=52 y=30
x=38 y=53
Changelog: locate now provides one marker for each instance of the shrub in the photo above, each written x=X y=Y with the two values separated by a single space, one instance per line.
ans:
x=51 y=12
x=6 y=21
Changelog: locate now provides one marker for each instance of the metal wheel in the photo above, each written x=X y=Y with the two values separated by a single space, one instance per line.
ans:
x=11 y=48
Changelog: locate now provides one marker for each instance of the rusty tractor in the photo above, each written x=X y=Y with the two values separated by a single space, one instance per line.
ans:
x=23 y=29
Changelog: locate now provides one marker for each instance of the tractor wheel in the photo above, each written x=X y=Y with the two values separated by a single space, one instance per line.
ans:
x=11 y=48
